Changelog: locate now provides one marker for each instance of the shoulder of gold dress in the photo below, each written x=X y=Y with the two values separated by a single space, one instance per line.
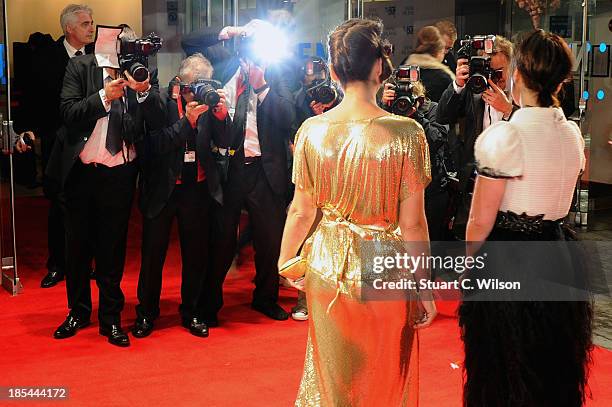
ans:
x=400 y=124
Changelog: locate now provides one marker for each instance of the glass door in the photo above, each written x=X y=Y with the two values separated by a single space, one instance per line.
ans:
x=10 y=278
x=587 y=28
x=597 y=93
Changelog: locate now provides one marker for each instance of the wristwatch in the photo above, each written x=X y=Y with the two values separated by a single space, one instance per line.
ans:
x=145 y=93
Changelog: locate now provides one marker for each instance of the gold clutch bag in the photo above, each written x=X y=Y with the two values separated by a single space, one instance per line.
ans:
x=293 y=268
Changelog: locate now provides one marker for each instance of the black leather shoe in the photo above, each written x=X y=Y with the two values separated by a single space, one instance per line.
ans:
x=142 y=328
x=272 y=310
x=196 y=326
x=52 y=278
x=115 y=335
x=212 y=322
x=70 y=327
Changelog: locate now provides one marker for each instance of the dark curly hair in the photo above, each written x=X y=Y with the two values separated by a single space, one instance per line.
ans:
x=354 y=47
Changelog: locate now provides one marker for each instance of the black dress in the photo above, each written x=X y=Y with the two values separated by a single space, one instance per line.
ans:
x=524 y=353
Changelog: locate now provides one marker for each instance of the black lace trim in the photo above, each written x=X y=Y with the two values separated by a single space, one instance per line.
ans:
x=521 y=223
x=493 y=173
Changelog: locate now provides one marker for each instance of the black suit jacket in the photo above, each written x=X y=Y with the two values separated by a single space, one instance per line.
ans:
x=49 y=67
x=466 y=105
x=275 y=116
x=81 y=107
x=164 y=148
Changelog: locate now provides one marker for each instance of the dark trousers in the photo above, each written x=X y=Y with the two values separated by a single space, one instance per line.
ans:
x=98 y=204
x=190 y=204
x=267 y=214
x=56 y=233
x=436 y=211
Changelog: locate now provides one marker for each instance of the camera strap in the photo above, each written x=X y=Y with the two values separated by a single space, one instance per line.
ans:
x=176 y=95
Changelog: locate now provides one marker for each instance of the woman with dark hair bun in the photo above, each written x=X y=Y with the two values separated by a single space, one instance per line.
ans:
x=532 y=353
x=366 y=170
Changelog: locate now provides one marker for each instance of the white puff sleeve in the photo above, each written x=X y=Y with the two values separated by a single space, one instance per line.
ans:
x=498 y=152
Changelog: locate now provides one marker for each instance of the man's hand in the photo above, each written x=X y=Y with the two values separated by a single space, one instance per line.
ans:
x=114 y=89
x=319 y=108
x=497 y=99
x=230 y=32
x=21 y=145
x=135 y=85
x=193 y=112
x=220 y=110
x=462 y=72
x=388 y=95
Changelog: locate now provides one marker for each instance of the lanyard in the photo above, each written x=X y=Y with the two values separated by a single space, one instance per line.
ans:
x=176 y=95
x=179 y=106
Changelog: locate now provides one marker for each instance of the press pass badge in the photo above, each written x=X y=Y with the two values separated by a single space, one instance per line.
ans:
x=190 y=156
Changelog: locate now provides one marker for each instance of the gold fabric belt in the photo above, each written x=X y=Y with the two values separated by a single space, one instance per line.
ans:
x=332 y=217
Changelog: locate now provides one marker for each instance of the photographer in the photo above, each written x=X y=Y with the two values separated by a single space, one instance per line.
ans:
x=180 y=180
x=423 y=111
x=102 y=114
x=262 y=109
x=317 y=94
x=480 y=110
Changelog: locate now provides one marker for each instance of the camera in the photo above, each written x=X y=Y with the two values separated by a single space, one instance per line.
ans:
x=402 y=79
x=204 y=90
x=134 y=55
x=471 y=45
x=265 y=45
x=480 y=65
x=320 y=90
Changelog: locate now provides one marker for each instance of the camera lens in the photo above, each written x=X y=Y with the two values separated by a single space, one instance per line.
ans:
x=139 y=72
x=206 y=93
x=402 y=106
x=477 y=83
x=211 y=98
x=326 y=95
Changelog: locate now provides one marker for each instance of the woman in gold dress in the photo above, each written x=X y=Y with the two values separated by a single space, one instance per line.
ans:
x=366 y=170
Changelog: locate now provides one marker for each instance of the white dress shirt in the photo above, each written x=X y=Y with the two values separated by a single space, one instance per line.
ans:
x=251 y=139
x=95 y=147
x=71 y=50
x=491 y=115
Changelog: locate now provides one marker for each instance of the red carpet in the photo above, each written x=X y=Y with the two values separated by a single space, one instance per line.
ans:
x=248 y=361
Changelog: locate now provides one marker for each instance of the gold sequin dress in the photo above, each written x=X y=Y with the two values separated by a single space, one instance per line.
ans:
x=358 y=353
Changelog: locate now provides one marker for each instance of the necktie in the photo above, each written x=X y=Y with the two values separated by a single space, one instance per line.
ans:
x=78 y=53
x=114 y=140
x=241 y=86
